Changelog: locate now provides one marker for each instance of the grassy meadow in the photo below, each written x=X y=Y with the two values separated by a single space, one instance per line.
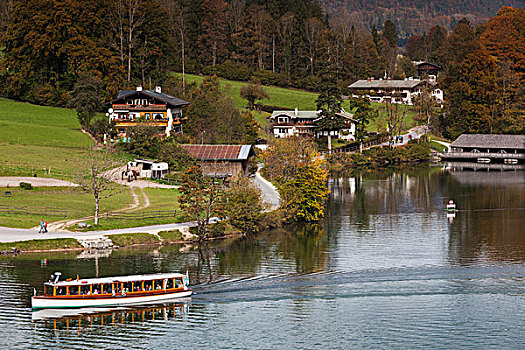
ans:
x=77 y=204
x=34 y=138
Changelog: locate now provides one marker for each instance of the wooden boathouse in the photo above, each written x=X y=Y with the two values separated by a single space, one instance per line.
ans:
x=487 y=148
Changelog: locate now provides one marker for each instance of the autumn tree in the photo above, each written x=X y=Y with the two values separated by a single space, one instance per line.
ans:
x=214 y=26
x=313 y=28
x=253 y=93
x=200 y=199
x=471 y=84
x=243 y=205
x=94 y=175
x=300 y=174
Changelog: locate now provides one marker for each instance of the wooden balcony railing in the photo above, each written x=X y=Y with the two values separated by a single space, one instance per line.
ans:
x=139 y=107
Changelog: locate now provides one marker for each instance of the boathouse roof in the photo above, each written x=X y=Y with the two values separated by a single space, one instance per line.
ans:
x=490 y=141
x=219 y=152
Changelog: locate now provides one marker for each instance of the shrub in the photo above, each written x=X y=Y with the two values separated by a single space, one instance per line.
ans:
x=127 y=239
x=171 y=236
x=266 y=77
x=26 y=186
x=229 y=70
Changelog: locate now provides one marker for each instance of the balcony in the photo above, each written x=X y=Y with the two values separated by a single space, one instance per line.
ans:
x=120 y=107
x=128 y=122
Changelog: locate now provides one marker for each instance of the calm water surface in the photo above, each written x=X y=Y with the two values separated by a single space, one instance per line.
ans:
x=386 y=270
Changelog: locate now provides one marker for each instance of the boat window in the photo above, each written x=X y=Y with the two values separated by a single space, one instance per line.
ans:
x=106 y=289
x=148 y=285
x=117 y=287
x=85 y=289
x=169 y=283
x=178 y=283
x=158 y=284
x=73 y=290
x=137 y=286
x=97 y=289
x=127 y=287
x=48 y=290
x=61 y=291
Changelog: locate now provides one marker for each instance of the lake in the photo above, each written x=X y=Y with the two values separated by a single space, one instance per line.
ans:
x=387 y=269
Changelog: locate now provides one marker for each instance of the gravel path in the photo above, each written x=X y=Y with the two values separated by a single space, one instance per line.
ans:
x=269 y=193
x=14 y=181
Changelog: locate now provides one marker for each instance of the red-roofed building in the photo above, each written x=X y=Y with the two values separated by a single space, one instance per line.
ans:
x=223 y=161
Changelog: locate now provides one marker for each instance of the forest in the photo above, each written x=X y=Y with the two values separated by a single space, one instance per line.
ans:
x=49 y=47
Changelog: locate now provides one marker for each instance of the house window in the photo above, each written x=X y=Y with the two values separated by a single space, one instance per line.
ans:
x=282 y=131
x=147 y=115
x=152 y=102
x=137 y=102
x=144 y=102
x=129 y=102
x=282 y=120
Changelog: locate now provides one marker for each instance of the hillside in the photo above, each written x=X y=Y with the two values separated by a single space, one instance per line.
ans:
x=35 y=138
x=416 y=16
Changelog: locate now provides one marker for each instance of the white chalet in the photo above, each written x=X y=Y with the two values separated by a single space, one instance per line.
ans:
x=304 y=123
x=395 y=91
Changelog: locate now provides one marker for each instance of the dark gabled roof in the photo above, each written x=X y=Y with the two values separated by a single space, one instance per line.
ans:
x=424 y=63
x=345 y=115
x=313 y=115
x=490 y=141
x=168 y=99
x=218 y=152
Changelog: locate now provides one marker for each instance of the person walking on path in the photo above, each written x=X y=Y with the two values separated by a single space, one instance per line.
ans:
x=41 y=226
x=45 y=226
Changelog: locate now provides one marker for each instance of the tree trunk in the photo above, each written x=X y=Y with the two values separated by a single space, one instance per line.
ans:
x=129 y=55
x=96 y=209
x=329 y=142
x=273 y=53
x=183 y=62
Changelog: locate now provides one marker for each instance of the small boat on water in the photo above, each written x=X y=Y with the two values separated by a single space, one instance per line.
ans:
x=112 y=291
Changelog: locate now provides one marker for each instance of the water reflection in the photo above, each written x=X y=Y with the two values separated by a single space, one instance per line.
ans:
x=386 y=268
x=92 y=317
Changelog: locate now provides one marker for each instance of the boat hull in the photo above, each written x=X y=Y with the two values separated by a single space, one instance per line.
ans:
x=71 y=303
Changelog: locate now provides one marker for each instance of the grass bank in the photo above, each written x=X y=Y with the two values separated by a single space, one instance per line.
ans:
x=42 y=244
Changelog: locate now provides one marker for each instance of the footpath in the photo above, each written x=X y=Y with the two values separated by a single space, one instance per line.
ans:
x=8 y=234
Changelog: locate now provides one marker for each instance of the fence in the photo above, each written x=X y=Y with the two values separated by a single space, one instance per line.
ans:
x=156 y=214
x=355 y=147
x=46 y=211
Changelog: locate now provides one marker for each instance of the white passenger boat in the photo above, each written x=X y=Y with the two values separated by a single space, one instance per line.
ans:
x=112 y=291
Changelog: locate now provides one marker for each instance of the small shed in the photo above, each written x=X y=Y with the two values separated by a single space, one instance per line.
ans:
x=222 y=161
x=147 y=168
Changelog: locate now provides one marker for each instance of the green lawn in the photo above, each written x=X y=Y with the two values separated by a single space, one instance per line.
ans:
x=38 y=137
x=282 y=97
x=160 y=199
x=77 y=204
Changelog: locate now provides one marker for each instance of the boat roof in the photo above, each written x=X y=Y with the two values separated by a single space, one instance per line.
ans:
x=132 y=278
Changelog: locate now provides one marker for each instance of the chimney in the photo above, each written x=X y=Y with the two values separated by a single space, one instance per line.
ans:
x=296 y=111
x=158 y=89
x=139 y=88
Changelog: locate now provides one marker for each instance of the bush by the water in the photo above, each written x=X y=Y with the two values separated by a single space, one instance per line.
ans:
x=381 y=156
